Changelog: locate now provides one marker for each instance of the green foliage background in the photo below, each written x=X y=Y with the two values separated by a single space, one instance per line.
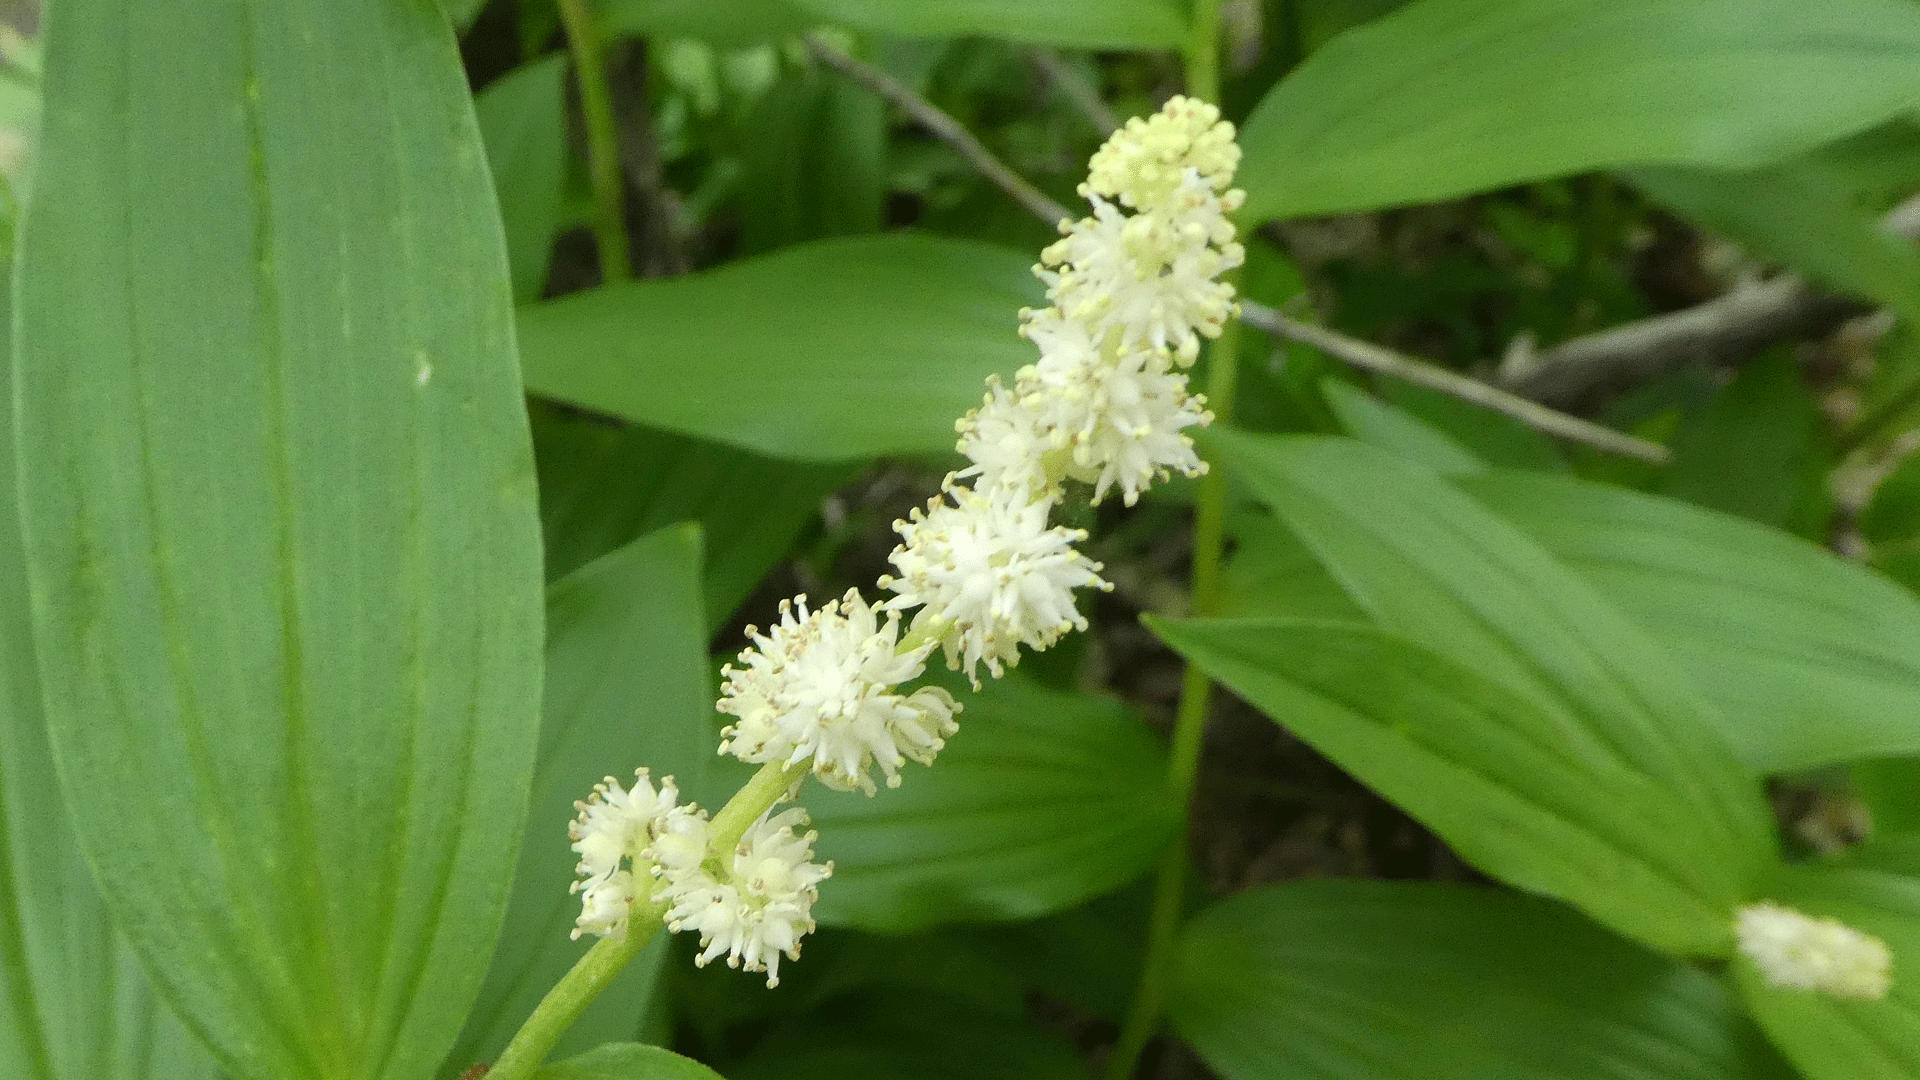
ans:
x=363 y=512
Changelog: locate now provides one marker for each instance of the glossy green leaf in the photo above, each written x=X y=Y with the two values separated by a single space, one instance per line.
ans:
x=627 y=1061
x=1830 y=1038
x=1043 y=799
x=1431 y=565
x=1085 y=24
x=279 y=515
x=626 y=687
x=603 y=484
x=1518 y=791
x=1819 y=212
x=74 y=1003
x=1365 y=980
x=522 y=122
x=1446 y=97
x=822 y=352
x=1373 y=421
x=1809 y=658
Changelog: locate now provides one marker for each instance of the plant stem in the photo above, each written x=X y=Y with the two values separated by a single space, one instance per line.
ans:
x=571 y=995
x=1203 y=52
x=1209 y=533
x=1209 y=544
x=603 y=147
x=594 y=970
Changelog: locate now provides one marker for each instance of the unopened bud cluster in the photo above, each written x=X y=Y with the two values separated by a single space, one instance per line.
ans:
x=1133 y=289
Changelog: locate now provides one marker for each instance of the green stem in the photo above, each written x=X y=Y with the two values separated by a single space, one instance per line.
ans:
x=594 y=970
x=603 y=147
x=1203 y=52
x=1209 y=546
x=571 y=995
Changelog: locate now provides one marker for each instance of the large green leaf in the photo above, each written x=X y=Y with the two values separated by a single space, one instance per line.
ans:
x=1445 y=97
x=521 y=118
x=1834 y=1039
x=1515 y=789
x=825 y=351
x=1811 y=659
x=1086 y=24
x=602 y=484
x=1433 y=566
x=627 y=1061
x=74 y=1004
x=1352 y=980
x=626 y=687
x=279 y=515
x=1043 y=799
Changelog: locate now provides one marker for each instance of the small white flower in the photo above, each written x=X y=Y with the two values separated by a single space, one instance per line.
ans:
x=613 y=827
x=1010 y=442
x=991 y=573
x=1144 y=160
x=1122 y=418
x=1151 y=275
x=761 y=908
x=819 y=686
x=1804 y=953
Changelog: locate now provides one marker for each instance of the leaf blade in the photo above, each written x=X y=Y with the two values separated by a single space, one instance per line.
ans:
x=257 y=587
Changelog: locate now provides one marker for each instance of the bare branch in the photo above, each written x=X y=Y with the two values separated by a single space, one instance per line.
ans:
x=1349 y=350
x=1075 y=89
x=944 y=127
x=1729 y=329
x=1371 y=357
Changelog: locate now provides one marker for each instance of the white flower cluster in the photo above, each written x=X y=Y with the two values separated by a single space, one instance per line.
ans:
x=1132 y=296
x=1106 y=403
x=1804 y=953
x=754 y=908
x=819 y=688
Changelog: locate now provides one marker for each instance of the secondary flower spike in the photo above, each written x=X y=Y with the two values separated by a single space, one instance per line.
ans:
x=615 y=825
x=760 y=909
x=1804 y=953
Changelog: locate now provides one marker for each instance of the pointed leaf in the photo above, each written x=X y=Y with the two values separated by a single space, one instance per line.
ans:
x=1518 y=791
x=1431 y=565
x=1810 y=658
x=1366 y=980
x=822 y=352
x=1446 y=97
x=279 y=513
